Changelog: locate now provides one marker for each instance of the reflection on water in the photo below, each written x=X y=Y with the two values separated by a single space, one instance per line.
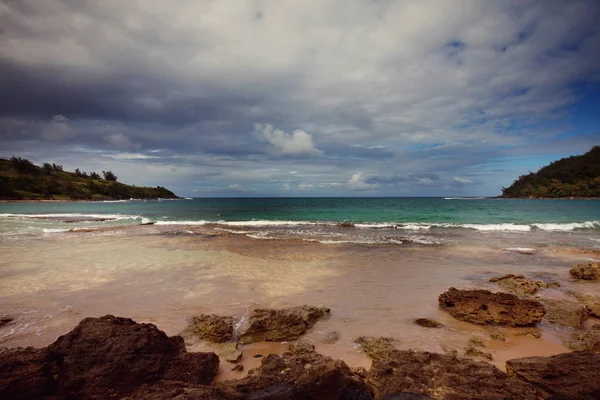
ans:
x=49 y=284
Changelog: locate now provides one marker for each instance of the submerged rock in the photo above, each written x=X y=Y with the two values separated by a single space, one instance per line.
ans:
x=484 y=307
x=5 y=321
x=590 y=301
x=474 y=341
x=267 y=325
x=587 y=272
x=571 y=375
x=517 y=284
x=496 y=333
x=442 y=377
x=535 y=332
x=26 y=374
x=377 y=347
x=211 y=327
x=584 y=341
x=331 y=338
x=428 y=323
x=472 y=351
x=564 y=312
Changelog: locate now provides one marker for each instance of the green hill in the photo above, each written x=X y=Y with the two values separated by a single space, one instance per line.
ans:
x=20 y=179
x=575 y=176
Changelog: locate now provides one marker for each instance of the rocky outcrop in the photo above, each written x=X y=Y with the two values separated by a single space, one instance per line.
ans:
x=428 y=323
x=266 y=325
x=517 y=284
x=302 y=374
x=211 y=327
x=568 y=376
x=586 y=272
x=26 y=374
x=591 y=302
x=584 y=341
x=442 y=377
x=484 y=307
x=564 y=313
x=178 y=390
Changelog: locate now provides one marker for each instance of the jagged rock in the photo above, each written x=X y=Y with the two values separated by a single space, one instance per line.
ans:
x=266 y=325
x=331 y=338
x=302 y=374
x=211 y=327
x=442 y=377
x=26 y=374
x=586 y=272
x=377 y=347
x=230 y=352
x=476 y=342
x=109 y=357
x=428 y=323
x=564 y=312
x=571 y=375
x=5 y=321
x=584 y=341
x=178 y=390
x=496 y=333
x=484 y=307
x=536 y=333
x=472 y=351
x=591 y=302
x=517 y=284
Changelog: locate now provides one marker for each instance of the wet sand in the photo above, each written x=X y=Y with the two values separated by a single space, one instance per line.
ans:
x=164 y=276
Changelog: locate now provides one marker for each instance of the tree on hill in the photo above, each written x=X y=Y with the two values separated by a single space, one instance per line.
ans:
x=94 y=175
x=47 y=167
x=22 y=164
x=109 y=176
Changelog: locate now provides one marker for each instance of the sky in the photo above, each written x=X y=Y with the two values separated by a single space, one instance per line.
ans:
x=241 y=98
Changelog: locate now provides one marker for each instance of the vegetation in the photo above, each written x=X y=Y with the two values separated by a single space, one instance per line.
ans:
x=20 y=179
x=575 y=176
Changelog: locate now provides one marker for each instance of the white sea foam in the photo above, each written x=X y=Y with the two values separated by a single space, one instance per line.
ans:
x=115 y=217
x=49 y=230
x=568 y=226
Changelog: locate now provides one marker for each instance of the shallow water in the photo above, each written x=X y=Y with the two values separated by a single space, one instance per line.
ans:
x=165 y=274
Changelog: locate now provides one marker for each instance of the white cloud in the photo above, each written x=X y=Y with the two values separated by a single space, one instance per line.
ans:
x=357 y=183
x=297 y=142
x=120 y=141
x=236 y=188
x=462 y=181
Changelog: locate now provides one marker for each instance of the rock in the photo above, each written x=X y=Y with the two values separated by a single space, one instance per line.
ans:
x=517 y=284
x=584 y=341
x=110 y=357
x=407 y=396
x=26 y=374
x=476 y=342
x=360 y=371
x=238 y=367
x=266 y=325
x=564 y=313
x=211 y=327
x=496 y=333
x=331 y=338
x=587 y=272
x=442 y=377
x=536 y=333
x=178 y=390
x=428 y=323
x=5 y=321
x=257 y=356
x=484 y=307
x=596 y=327
x=301 y=375
x=472 y=352
x=591 y=302
x=377 y=347
x=571 y=375
x=230 y=352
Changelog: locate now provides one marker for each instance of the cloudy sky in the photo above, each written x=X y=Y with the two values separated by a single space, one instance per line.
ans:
x=302 y=97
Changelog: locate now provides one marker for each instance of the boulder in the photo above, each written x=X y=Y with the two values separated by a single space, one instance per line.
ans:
x=591 y=302
x=484 y=307
x=26 y=374
x=517 y=284
x=267 y=325
x=211 y=327
x=109 y=357
x=301 y=374
x=584 y=341
x=442 y=377
x=568 y=375
x=586 y=272
x=564 y=312
x=428 y=323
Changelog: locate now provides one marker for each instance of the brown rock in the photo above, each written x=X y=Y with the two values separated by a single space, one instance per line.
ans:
x=178 y=390
x=564 y=312
x=517 y=284
x=536 y=333
x=473 y=352
x=5 y=321
x=476 y=342
x=584 y=341
x=109 y=357
x=496 y=333
x=266 y=325
x=230 y=352
x=377 y=347
x=571 y=375
x=484 y=307
x=587 y=272
x=428 y=323
x=302 y=374
x=26 y=374
x=442 y=377
x=331 y=338
x=238 y=367
x=591 y=302
x=211 y=327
